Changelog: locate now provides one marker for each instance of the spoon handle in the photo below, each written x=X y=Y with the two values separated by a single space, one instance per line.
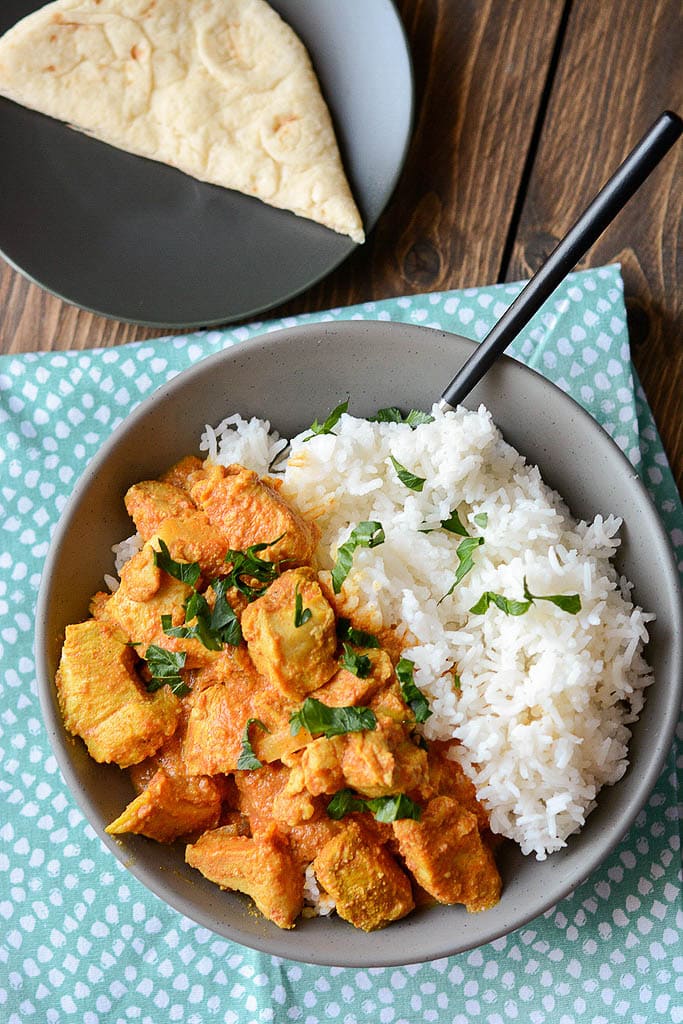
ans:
x=642 y=160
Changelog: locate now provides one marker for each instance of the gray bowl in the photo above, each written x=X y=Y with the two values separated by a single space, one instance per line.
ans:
x=291 y=377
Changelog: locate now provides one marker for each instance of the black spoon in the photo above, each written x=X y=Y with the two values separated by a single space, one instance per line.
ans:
x=626 y=180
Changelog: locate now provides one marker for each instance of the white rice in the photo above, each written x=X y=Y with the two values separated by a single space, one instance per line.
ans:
x=545 y=698
x=123 y=551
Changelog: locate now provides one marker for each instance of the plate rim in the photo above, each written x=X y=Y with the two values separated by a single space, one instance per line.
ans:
x=259 y=308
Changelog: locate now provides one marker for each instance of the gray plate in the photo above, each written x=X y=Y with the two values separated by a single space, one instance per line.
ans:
x=135 y=240
x=292 y=377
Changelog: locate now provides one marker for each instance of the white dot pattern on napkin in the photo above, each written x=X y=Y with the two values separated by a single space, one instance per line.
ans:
x=82 y=941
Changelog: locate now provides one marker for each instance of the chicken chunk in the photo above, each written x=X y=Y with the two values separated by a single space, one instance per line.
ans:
x=169 y=756
x=294 y=805
x=249 y=511
x=145 y=594
x=140 y=577
x=103 y=700
x=448 y=779
x=150 y=502
x=369 y=888
x=221 y=704
x=171 y=806
x=262 y=799
x=191 y=537
x=445 y=853
x=321 y=764
x=345 y=688
x=308 y=838
x=258 y=791
x=180 y=474
x=263 y=867
x=383 y=761
x=296 y=656
x=213 y=741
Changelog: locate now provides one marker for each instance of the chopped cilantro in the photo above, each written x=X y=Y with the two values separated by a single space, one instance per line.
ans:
x=212 y=627
x=318 y=718
x=412 y=695
x=345 y=802
x=365 y=535
x=357 y=637
x=164 y=667
x=186 y=572
x=326 y=426
x=224 y=623
x=247 y=567
x=301 y=614
x=415 y=483
x=248 y=761
x=454 y=525
x=464 y=552
x=394 y=415
x=384 y=808
x=570 y=603
x=359 y=664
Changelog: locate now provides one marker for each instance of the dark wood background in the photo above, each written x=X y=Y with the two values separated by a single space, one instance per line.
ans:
x=524 y=107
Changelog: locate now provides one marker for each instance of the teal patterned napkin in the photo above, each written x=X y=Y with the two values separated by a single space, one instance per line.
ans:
x=82 y=941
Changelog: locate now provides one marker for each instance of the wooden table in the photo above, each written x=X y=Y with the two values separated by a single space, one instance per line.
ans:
x=524 y=107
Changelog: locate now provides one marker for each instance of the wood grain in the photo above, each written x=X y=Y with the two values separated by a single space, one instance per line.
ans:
x=480 y=69
x=593 y=119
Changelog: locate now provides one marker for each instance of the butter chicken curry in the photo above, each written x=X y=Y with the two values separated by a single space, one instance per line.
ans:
x=278 y=738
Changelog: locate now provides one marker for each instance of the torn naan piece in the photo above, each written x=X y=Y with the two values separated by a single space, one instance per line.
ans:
x=223 y=90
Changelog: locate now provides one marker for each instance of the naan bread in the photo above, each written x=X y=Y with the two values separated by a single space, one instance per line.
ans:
x=222 y=89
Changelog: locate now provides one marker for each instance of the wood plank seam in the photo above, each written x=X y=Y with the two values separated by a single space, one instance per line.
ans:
x=534 y=143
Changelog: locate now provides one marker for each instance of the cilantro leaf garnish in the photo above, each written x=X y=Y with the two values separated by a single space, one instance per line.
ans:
x=415 y=483
x=365 y=535
x=164 y=667
x=326 y=426
x=464 y=552
x=570 y=603
x=224 y=623
x=301 y=614
x=345 y=802
x=415 y=417
x=359 y=664
x=357 y=637
x=248 y=761
x=412 y=695
x=507 y=605
x=393 y=808
x=247 y=566
x=454 y=525
x=567 y=602
x=391 y=414
x=197 y=608
x=394 y=415
x=212 y=627
x=384 y=808
x=186 y=572
x=318 y=718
